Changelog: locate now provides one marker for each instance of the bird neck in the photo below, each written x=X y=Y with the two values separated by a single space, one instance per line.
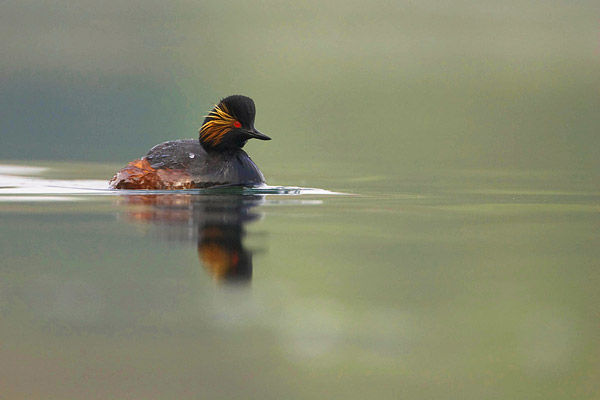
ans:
x=224 y=152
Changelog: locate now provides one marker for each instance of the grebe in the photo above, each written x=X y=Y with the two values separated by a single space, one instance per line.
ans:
x=215 y=159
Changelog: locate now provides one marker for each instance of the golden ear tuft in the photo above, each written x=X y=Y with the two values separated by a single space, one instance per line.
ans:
x=221 y=121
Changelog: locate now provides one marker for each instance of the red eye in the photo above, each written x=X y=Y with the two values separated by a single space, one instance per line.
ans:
x=237 y=124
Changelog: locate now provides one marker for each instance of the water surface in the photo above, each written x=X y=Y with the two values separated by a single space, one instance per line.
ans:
x=438 y=284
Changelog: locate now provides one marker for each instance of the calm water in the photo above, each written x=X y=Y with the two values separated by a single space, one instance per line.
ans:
x=443 y=284
x=451 y=253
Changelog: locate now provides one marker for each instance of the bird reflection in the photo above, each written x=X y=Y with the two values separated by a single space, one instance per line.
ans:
x=215 y=222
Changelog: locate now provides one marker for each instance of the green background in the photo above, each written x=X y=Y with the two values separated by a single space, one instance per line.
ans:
x=460 y=263
x=387 y=86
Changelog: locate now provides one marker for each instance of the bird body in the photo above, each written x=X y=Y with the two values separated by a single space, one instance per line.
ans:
x=215 y=159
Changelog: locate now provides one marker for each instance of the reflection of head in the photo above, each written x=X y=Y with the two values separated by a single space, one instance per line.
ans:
x=219 y=221
x=221 y=252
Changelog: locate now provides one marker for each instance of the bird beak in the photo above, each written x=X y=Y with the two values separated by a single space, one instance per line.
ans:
x=253 y=133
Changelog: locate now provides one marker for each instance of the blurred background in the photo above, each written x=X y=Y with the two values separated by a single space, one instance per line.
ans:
x=464 y=267
x=372 y=87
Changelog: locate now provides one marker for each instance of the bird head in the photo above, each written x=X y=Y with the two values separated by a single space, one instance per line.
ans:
x=230 y=124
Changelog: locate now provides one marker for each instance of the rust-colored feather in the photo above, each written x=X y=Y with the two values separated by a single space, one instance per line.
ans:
x=139 y=174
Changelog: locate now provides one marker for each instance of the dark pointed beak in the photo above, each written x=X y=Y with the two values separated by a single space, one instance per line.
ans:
x=253 y=133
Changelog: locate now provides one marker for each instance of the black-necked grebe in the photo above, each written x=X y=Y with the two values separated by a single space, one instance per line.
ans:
x=215 y=159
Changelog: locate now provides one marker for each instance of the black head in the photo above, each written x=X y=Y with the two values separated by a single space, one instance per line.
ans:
x=230 y=124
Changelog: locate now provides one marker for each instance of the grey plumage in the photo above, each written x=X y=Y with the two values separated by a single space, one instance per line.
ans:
x=229 y=167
